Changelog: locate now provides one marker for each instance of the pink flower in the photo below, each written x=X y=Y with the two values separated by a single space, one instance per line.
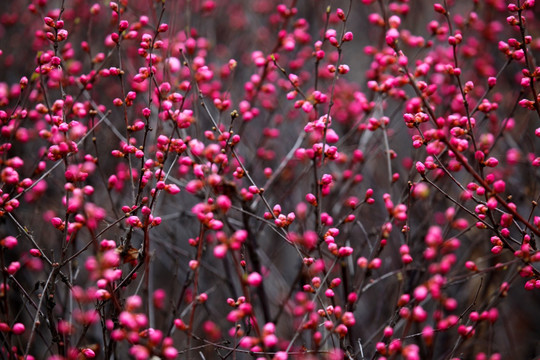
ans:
x=18 y=328
x=172 y=189
x=254 y=279
x=88 y=353
x=9 y=242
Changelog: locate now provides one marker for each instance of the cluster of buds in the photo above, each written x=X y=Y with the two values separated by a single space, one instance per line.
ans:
x=280 y=219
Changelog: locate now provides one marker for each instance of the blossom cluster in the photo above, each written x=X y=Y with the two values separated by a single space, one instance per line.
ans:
x=269 y=179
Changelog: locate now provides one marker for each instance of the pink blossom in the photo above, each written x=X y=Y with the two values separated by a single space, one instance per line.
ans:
x=254 y=279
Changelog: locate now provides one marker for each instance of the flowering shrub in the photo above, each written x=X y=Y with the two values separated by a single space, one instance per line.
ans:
x=258 y=179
